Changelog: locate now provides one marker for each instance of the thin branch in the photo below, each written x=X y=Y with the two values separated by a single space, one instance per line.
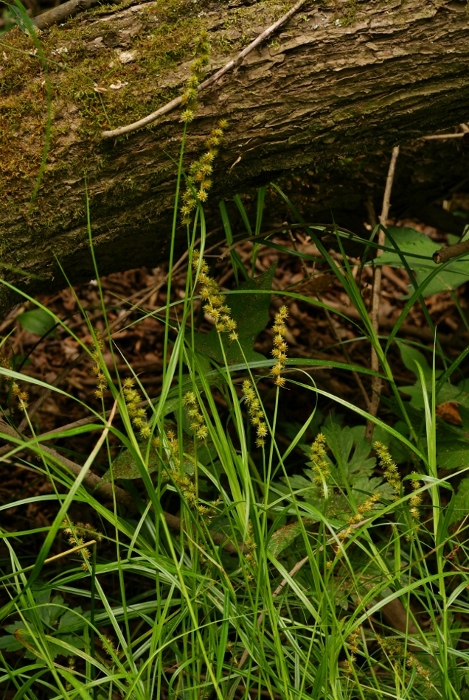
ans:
x=435 y=137
x=106 y=490
x=377 y=382
x=62 y=12
x=210 y=81
x=451 y=251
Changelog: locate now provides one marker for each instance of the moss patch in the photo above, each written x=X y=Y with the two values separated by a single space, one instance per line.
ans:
x=99 y=75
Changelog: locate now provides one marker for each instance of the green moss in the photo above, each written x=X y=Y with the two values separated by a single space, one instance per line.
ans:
x=78 y=65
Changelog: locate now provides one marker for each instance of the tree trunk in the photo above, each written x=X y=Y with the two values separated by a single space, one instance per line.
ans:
x=333 y=90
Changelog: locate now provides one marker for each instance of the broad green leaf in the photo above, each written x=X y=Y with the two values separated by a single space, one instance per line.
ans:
x=9 y=641
x=350 y=480
x=453 y=453
x=251 y=313
x=69 y=620
x=413 y=246
x=461 y=502
x=350 y=449
x=125 y=466
x=448 y=392
x=54 y=610
x=410 y=356
x=283 y=538
x=38 y=321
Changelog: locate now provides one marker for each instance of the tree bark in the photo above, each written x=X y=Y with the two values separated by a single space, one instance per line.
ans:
x=338 y=85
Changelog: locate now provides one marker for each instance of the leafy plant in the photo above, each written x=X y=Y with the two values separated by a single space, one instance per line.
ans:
x=417 y=249
x=38 y=321
x=50 y=624
x=251 y=313
x=349 y=476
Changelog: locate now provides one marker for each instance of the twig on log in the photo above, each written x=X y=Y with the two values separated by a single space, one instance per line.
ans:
x=62 y=12
x=213 y=79
x=377 y=382
x=458 y=135
x=451 y=251
x=436 y=137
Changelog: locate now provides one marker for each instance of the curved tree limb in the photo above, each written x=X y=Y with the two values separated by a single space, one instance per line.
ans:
x=451 y=251
x=62 y=12
x=210 y=81
x=108 y=491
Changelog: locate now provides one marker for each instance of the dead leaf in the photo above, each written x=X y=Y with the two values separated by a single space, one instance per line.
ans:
x=312 y=286
x=449 y=412
x=118 y=85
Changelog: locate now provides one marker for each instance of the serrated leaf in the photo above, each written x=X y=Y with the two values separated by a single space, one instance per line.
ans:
x=298 y=482
x=38 y=321
x=350 y=449
x=413 y=245
x=125 y=466
x=461 y=502
x=283 y=538
x=9 y=642
x=411 y=356
x=251 y=313
x=52 y=612
x=452 y=452
x=69 y=619
x=350 y=480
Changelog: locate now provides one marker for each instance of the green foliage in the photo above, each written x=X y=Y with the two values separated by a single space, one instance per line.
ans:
x=460 y=502
x=350 y=478
x=38 y=321
x=417 y=249
x=253 y=554
x=51 y=622
x=251 y=313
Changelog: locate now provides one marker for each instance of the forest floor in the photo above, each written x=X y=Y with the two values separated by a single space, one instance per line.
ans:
x=311 y=334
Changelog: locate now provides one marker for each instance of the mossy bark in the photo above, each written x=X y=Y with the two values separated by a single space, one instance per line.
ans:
x=341 y=80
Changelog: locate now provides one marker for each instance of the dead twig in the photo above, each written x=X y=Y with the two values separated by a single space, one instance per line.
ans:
x=210 y=81
x=451 y=251
x=62 y=12
x=106 y=490
x=377 y=382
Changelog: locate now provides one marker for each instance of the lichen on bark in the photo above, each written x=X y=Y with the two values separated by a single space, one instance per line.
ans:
x=328 y=85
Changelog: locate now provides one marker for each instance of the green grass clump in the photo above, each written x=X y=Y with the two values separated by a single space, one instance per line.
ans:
x=225 y=572
x=230 y=551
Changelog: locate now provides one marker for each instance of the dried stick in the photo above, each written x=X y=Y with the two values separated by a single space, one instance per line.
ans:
x=62 y=12
x=451 y=251
x=377 y=382
x=106 y=490
x=210 y=81
x=435 y=137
